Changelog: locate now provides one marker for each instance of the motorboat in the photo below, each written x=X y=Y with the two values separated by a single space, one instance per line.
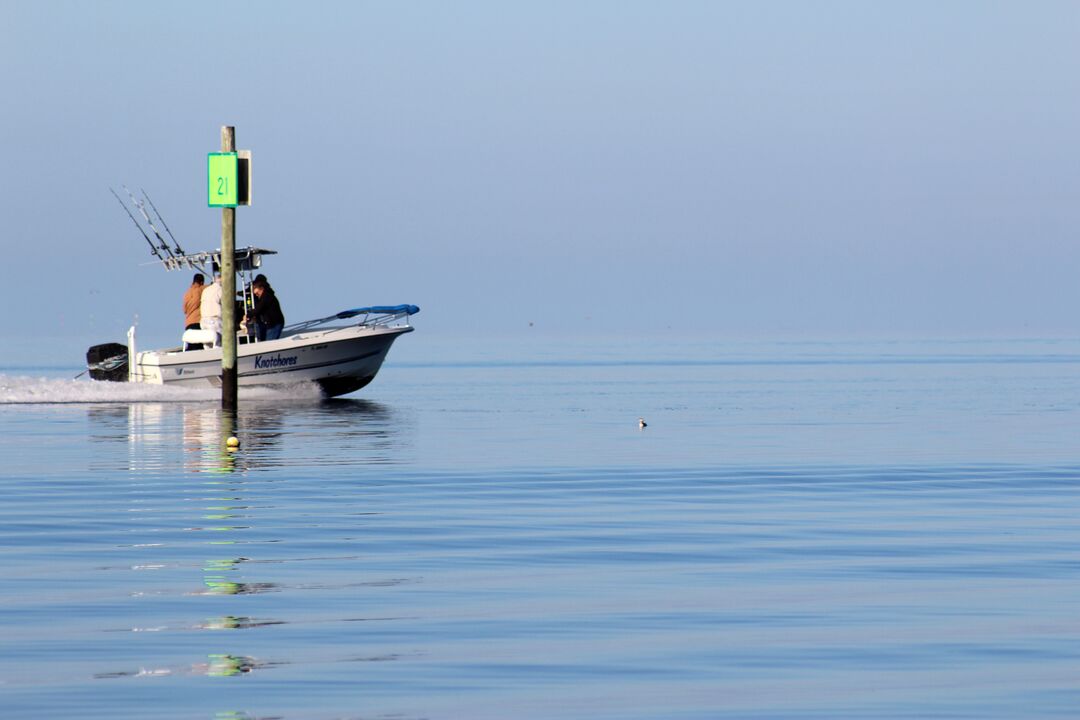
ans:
x=340 y=353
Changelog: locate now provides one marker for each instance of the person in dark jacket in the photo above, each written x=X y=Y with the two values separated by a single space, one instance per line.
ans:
x=269 y=320
x=253 y=324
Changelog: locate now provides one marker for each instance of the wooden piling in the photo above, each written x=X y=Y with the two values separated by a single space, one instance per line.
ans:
x=228 y=290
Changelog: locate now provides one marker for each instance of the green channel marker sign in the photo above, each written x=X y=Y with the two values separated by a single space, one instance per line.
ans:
x=222 y=179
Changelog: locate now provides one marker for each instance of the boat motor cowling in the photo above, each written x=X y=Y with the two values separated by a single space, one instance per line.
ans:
x=108 y=361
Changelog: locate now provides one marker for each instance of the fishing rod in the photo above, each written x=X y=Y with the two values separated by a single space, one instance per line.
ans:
x=179 y=250
x=153 y=248
x=142 y=209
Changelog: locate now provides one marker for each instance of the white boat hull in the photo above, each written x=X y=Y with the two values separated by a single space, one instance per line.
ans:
x=339 y=360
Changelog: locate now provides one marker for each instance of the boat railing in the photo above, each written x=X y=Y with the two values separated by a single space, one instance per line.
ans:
x=373 y=316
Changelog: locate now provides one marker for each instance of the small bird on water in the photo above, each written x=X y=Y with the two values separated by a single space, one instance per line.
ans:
x=641 y=423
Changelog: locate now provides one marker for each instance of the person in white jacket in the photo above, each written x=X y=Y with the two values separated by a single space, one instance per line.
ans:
x=210 y=308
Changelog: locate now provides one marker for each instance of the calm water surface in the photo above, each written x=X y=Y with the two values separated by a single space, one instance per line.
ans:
x=804 y=530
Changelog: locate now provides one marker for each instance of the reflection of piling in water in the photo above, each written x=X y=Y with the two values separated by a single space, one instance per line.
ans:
x=217 y=665
x=295 y=433
x=217 y=586
x=225 y=665
x=231 y=622
x=217 y=580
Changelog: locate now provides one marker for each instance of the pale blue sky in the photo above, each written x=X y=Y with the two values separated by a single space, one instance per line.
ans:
x=761 y=169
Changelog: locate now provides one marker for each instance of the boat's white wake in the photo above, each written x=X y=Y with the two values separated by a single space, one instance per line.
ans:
x=25 y=390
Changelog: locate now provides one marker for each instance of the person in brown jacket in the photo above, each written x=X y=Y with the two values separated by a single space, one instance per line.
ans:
x=192 y=301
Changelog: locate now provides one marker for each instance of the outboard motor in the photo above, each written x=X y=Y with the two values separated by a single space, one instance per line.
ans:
x=108 y=362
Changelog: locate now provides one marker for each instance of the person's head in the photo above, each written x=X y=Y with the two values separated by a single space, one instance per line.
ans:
x=258 y=287
x=198 y=279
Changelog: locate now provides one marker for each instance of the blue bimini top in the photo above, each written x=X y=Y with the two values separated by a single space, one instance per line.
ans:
x=380 y=310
